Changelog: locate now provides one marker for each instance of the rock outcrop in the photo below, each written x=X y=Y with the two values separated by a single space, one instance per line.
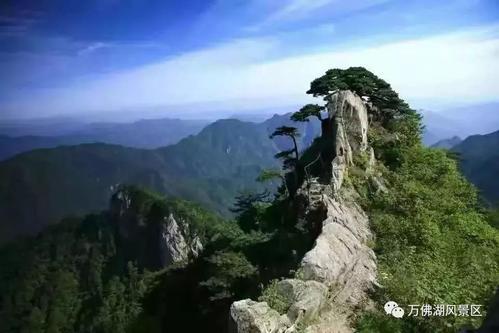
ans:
x=341 y=256
x=350 y=124
x=306 y=298
x=161 y=241
x=337 y=273
x=174 y=247
x=256 y=317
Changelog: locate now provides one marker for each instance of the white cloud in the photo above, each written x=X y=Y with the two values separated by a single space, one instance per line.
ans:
x=98 y=45
x=295 y=10
x=92 y=47
x=300 y=8
x=460 y=67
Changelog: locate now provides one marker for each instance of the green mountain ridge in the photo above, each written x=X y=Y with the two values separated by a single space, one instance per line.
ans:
x=211 y=168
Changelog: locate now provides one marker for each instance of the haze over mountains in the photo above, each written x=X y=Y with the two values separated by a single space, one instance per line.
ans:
x=461 y=122
x=153 y=133
x=21 y=136
x=211 y=167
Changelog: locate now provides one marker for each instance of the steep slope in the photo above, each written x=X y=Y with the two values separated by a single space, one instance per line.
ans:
x=224 y=149
x=335 y=276
x=88 y=274
x=152 y=133
x=393 y=221
x=479 y=161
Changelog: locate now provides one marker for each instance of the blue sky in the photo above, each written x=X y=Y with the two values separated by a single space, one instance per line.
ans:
x=67 y=57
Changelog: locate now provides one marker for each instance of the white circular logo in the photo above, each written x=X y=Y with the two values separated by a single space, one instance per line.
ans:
x=392 y=308
x=389 y=306
x=398 y=312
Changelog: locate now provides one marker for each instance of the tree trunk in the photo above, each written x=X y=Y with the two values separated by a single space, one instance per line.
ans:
x=295 y=149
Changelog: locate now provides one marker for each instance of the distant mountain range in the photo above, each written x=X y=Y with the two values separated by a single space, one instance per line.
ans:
x=40 y=187
x=461 y=122
x=26 y=136
x=210 y=166
x=479 y=160
x=22 y=136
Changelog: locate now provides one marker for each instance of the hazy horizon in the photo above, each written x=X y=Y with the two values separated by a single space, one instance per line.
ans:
x=188 y=112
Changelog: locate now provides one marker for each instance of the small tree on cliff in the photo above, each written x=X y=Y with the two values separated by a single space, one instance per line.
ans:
x=309 y=110
x=268 y=175
x=289 y=157
x=291 y=132
x=312 y=110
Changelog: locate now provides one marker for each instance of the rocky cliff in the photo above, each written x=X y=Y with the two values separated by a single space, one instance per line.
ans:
x=336 y=274
x=157 y=233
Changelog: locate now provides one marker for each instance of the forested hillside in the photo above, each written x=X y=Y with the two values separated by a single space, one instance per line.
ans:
x=91 y=274
x=210 y=168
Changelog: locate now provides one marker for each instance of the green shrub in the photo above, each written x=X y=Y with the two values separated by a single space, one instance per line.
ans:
x=274 y=299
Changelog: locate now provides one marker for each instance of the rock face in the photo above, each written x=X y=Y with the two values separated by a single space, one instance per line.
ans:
x=340 y=256
x=350 y=124
x=307 y=298
x=248 y=316
x=337 y=273
x=162 y=242
x=173 y=244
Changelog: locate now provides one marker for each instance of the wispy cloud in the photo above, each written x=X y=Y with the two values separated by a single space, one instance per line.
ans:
x=92 y=47
x=296 y=10
x=293 y=41
x=299 y=8
x=447 y=68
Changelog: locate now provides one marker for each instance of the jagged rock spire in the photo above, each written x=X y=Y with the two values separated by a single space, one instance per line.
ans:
x=340 y=260
x=349 y=121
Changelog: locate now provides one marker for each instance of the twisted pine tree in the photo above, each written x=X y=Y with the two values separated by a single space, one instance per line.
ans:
x=389 y=113
x=289 y=157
